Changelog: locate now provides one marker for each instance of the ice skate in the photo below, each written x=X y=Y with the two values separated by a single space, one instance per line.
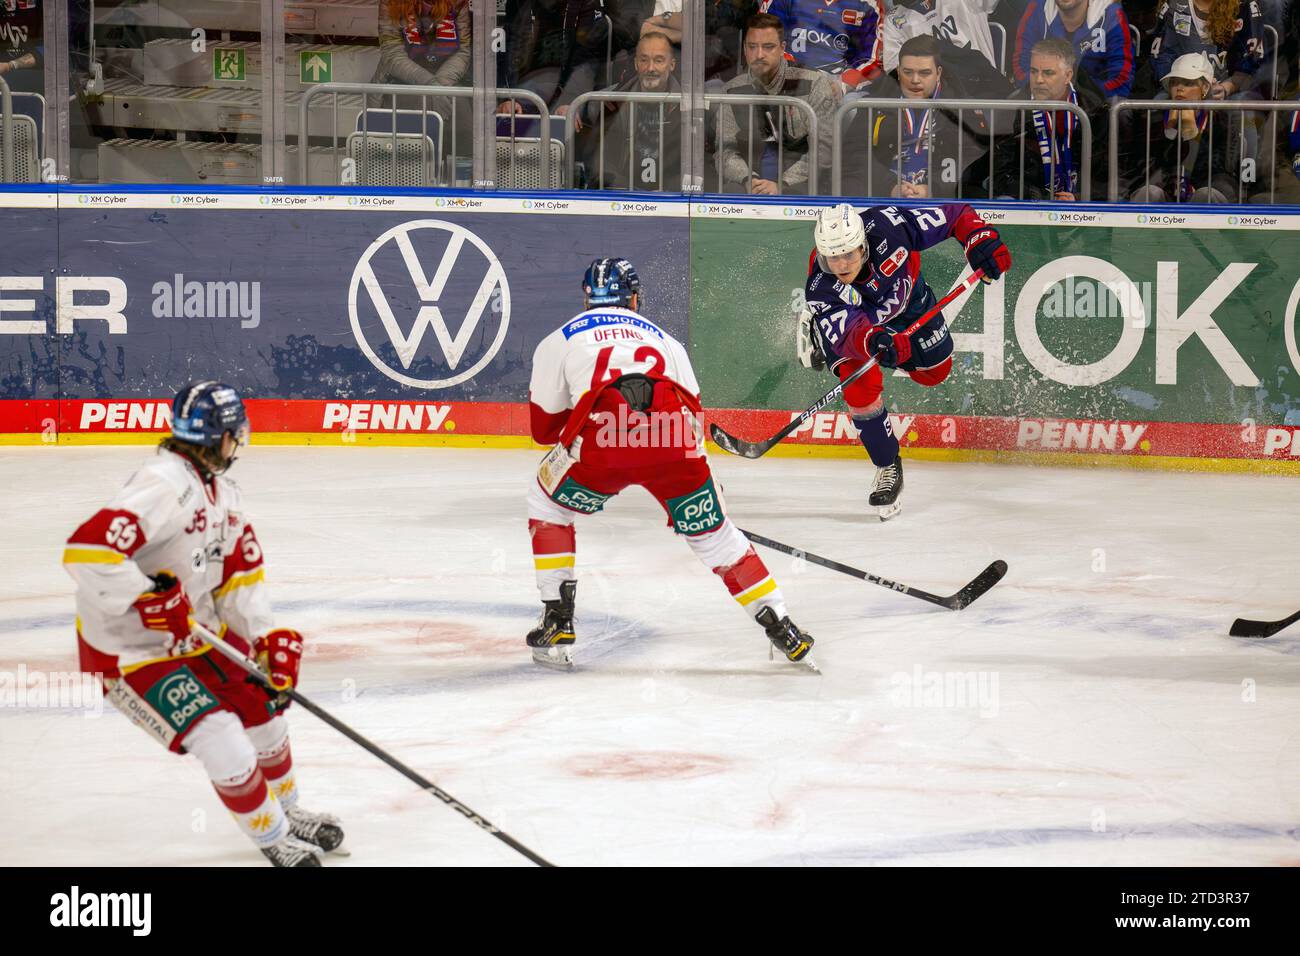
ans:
x=889 y=485
x=787 y=638
x=552 y=639
x=292 y=851
x=321 y=830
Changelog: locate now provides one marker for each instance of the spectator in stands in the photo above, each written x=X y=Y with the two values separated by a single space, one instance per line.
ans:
x=1047 y=144
x=22 y=50
x=555 y=48
x=915 y=153
x=642 y=144
x=1293 y=142
x=425 y=43
x=1188 y=148
x=843 y=39
x=724 y=22
x=1098 y=31
x=1228 y=32
x=778 y=141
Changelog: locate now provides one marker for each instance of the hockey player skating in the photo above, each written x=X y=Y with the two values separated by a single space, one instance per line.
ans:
x=172 y=546
x=617 y=397
x=864 y=288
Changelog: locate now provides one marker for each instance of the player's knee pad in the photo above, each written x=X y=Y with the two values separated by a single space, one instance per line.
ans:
x=866 y=391
x=932 y=376
x=269 y=738
x=542 y=508
x=222 y=746
x=721 y=548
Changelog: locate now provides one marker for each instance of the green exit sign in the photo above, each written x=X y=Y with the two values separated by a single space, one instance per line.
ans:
x=315 y=66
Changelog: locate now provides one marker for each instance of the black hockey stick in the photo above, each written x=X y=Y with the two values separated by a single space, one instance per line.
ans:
x=1243 y=627
x=745 y=449
x=953 y=602
x=255 y=672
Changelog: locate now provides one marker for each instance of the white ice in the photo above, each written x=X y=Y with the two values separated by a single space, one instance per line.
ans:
x=1117 y=724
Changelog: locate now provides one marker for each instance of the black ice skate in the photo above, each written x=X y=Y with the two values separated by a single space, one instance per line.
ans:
x=291 y=852
x=552 y=639
x=889 y=485
x=319 y=829
x=786 y=637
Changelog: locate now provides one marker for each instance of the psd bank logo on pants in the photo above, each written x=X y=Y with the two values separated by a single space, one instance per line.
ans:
x=422 y=275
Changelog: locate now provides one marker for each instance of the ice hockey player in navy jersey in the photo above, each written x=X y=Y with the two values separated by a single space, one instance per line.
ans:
x=864 y=289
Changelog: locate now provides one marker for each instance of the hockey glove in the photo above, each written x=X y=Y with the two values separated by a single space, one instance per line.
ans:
x=986 y=250
x=279 y=654
x=166 y=609
x=891 y=349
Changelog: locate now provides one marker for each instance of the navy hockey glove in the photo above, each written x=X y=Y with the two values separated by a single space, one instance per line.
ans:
x=891 y=349
x=986 y=250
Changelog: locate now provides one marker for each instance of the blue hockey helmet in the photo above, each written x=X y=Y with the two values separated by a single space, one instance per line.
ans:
x=611 y=282
x=204 y=411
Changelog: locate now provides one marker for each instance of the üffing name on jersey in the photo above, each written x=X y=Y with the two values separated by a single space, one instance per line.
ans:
x=74 y=908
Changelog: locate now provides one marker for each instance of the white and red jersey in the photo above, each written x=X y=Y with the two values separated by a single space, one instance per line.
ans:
x=166 y=518
x=594 y=349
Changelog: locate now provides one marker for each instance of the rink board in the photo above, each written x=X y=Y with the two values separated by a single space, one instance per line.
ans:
x=1137 y=336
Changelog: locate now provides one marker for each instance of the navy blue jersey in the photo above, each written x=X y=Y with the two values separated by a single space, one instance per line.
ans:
x=890 y=289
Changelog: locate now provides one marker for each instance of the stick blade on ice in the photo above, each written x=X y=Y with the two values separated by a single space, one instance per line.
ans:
x=1244 y=627
x=982 y=583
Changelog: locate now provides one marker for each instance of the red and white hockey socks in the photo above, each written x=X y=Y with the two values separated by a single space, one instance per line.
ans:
x=729 y=555
x=228 y=756
x=554 y=543
x=275 y=759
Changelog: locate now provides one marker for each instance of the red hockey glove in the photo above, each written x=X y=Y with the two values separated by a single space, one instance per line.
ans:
x=279 y=654
x=891 y=349
x=166 y=609
x=986 y=250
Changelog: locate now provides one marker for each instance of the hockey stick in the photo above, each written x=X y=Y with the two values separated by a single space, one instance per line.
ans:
x=736 y=446
x=1243 y=627
x=953 y=602
x=255 y=672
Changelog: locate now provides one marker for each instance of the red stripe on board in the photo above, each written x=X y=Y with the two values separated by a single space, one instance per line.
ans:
x=269 y=416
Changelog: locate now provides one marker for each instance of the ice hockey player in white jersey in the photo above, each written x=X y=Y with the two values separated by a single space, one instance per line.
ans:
x=175 y=546
x=616 y=395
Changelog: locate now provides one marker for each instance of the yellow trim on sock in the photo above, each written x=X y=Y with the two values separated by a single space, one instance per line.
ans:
x=746 y=598
x=549 y=564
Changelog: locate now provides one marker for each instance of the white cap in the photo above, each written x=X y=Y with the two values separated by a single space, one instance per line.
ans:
x=1191 y=66
x=839 y=230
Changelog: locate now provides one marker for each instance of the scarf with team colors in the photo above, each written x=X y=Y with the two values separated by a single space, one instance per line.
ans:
x=914 y=145
x=1055 y=132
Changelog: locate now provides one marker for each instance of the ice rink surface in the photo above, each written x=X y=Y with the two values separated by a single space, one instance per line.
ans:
x=1090 y=709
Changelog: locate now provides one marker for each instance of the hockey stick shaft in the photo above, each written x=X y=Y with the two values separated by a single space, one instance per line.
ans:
x=255 y=672
x=795 y=423
x=953 y=602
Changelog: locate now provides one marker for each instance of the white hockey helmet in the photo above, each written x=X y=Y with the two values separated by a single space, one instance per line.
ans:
x=838 y=231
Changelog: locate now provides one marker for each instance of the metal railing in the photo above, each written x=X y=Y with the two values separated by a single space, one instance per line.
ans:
x=755 y=99
x=1149 y=106
x=7 y=131
x=425 y=93
x=630 y=97
x=991 y=107
x=1002 y=45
